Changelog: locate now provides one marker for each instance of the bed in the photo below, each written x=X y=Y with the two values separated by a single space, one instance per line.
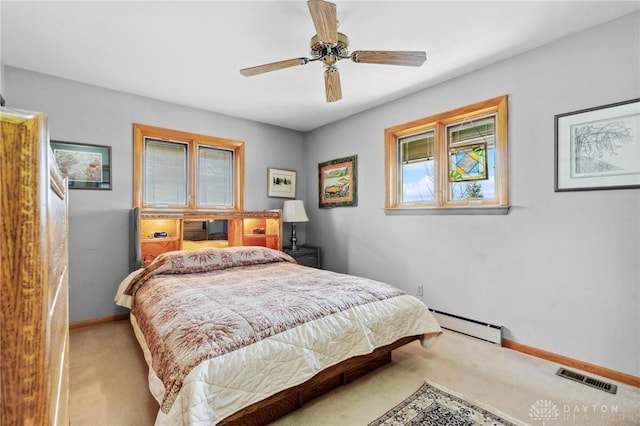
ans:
x=243 y=335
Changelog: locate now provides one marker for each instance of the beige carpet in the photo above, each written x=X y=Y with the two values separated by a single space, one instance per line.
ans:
x=109 y=385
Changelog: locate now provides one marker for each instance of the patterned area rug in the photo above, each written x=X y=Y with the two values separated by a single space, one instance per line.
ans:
x=431 y=405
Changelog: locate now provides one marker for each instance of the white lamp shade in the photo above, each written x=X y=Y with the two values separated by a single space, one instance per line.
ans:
x=293 y=211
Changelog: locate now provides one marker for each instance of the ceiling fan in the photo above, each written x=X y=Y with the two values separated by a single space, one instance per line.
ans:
x=330 y=46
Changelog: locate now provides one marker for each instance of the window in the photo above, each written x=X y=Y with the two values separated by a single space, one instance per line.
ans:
x=456 y=159
x=185 y=171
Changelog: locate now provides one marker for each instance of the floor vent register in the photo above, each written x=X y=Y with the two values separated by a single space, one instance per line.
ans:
x=586 y=380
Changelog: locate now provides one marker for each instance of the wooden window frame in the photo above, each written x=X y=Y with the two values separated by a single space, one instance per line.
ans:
x=438 y=122
x=193 y=140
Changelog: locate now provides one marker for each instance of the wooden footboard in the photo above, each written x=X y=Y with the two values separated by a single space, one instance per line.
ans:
x=291 y=399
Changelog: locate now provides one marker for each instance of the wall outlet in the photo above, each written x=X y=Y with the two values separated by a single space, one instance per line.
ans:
x=420 y=292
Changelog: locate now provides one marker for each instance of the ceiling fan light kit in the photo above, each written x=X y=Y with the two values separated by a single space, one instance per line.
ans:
x=330 y=46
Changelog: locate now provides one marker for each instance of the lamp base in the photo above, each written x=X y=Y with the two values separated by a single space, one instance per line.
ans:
x=294 y=239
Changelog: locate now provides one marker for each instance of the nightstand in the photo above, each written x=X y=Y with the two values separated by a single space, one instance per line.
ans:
x=305 y=255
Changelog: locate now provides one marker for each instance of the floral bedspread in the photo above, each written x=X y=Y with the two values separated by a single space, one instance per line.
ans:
x=236 y=298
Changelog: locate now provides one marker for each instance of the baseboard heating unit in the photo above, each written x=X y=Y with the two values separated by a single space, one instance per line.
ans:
x=478 y=329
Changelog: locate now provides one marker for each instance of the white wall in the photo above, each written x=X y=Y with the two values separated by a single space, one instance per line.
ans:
x=99 y=220
x=561 y=272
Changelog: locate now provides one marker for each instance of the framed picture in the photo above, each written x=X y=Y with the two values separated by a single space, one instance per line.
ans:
x=86 y=166
x=598 y=148
x=338 y=182
x=281 y=183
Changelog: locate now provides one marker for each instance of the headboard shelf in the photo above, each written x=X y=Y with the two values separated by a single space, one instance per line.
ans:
x=157 y=232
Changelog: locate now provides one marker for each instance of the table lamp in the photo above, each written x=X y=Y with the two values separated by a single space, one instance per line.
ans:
x=293 y=211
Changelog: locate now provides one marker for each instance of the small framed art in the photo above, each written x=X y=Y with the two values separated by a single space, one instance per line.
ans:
x=338 y=181
x=281 y=183
x=598 y=148
x=86 y=166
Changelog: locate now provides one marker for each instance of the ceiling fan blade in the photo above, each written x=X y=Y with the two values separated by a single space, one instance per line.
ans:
x=325 y=19
x=332 y=84
x=273 y=66
x=389 y=57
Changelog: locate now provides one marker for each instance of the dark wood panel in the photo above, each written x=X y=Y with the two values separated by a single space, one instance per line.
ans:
x=305 y=255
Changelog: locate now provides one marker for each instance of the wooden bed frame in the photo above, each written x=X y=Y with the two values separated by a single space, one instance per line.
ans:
x=291 y=399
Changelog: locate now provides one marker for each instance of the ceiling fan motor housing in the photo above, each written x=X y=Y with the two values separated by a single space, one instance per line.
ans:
x=327 y=53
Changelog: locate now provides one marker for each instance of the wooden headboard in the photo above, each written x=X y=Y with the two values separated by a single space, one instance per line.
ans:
x=157 y=232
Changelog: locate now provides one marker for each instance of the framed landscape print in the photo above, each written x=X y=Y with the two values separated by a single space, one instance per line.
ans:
x=85 y=166
x=338 y=181
x=598 y=148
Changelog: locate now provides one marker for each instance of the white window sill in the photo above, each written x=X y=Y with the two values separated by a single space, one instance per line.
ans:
x=433 y=211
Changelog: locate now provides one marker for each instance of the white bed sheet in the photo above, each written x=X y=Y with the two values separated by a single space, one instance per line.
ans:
x=225 y=384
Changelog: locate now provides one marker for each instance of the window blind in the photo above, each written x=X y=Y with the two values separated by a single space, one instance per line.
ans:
x=473 y=131
x=418 y=147
x=215 y=177
x=165 y=172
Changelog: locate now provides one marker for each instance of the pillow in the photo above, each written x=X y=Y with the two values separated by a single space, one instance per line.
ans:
x=204 y=260
x=212 y=258
x=123 y=299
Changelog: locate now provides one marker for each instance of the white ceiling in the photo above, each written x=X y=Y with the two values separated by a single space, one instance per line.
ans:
x=190 y=53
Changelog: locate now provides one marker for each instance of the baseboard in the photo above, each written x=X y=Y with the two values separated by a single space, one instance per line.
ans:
x=570 y=362
x=97 y=321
